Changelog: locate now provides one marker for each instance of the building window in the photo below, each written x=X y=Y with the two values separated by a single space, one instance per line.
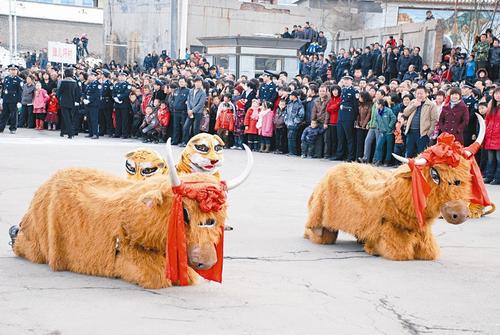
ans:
x=265 y=63
x=222 y=61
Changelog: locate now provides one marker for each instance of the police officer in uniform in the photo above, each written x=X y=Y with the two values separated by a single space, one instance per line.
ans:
x=470 y=130
x=12 y=88
x=347 y=114
x=268 y=90
x=92 y=101
x=121 y=93
x=106 y=107
x=76 y=117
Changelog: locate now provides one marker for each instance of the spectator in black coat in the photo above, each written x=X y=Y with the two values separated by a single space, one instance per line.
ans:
x=286 y=34
x=416 y=59
x=404 y=62
x=69 y=99
x=322 y=41
x=458 y=70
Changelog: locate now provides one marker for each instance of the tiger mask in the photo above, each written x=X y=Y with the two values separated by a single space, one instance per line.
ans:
x=143 y=163
x=203 y=153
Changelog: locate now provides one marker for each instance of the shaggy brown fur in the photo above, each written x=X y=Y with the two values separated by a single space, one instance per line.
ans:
x=376 y=206
x=87 y=221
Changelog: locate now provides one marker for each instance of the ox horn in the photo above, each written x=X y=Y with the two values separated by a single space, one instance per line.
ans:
x=172 y=171
x=233 y=183
x=480 y=136
x=418 y=161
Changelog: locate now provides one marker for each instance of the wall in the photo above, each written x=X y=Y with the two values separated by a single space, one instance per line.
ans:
x=38 y=23
x=34 y=34
x=135 y=27
x=132 y=28
x=426 y=35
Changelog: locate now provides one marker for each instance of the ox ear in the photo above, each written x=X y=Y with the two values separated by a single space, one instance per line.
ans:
x=152 y=198
x=403 y=172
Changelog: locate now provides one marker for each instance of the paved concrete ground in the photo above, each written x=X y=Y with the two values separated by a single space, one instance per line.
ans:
x=274 y=280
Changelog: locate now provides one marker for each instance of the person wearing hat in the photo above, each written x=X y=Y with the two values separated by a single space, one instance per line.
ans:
x=345 y=124
x=158 y=90
x=267 y=91
x=106 y=105
x=12 y=89
x=92 y=100
x=69 y=97
x=196 y=100
x=121 y=93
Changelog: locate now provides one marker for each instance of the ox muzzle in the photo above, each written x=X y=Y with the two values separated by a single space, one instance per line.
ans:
x=455 y=211
x=202 y=257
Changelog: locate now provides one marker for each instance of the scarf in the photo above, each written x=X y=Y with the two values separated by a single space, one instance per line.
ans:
x=210 y=199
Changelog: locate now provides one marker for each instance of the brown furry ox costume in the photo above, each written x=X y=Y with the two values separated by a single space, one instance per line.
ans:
x=392 y=212
x=90 y=222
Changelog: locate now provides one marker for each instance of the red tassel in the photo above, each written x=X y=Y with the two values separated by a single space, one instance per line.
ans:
x=209 y=199
x=176 y=263
x=215 y=272
x=479 y=194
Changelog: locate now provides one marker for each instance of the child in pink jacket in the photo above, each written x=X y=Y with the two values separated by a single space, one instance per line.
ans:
x=39 y=105
x=265 y=126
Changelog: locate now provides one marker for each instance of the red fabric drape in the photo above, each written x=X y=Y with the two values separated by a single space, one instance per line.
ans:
x=209 y=198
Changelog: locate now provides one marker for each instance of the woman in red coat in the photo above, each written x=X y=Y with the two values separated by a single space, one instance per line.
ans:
x=454 y=115
x=492 y=140
x=332 y=109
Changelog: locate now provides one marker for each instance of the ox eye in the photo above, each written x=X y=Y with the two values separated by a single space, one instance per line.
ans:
x=148 y=171
x=186 y=215
x=208 y=224
x=201 y=148
x=435 y=176
x=130 y=168
x=218 y=147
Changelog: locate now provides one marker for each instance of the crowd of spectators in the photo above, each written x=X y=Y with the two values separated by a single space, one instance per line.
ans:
x=401 y=104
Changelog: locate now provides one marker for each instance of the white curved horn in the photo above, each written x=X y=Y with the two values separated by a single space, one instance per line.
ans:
x=172 y=171
x=480 y=136
x=418 y=161
x=233 y=183
x=482 y=129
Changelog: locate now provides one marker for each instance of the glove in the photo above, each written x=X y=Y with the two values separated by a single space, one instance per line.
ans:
x=85 y=101
x=77 y=104
x=18 y=105
x=117 y=100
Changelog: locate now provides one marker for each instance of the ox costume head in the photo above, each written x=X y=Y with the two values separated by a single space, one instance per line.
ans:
x=445 y=176
x=198 y=214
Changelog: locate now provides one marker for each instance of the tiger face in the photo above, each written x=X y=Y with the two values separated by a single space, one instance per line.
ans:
x=143 y=163
x=203 y=153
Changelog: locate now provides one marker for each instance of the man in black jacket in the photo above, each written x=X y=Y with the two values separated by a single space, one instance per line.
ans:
x=179 y=99
x=69 y=97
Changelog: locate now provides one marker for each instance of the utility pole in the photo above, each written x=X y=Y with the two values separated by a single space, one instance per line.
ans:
x=15 y=27
x=174 y=24
x=10 y=31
